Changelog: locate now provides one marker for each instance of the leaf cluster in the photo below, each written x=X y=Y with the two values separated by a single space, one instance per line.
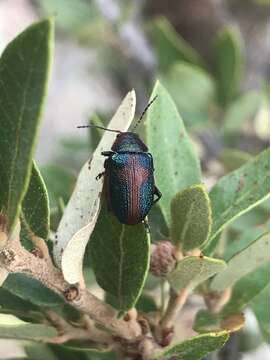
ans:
x=196 y=221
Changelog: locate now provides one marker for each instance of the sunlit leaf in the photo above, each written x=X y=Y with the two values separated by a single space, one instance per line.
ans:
x=24 y=67
x=191 y=218
x=175 y=161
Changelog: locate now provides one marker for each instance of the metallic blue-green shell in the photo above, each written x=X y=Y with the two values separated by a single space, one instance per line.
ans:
x=130 y=185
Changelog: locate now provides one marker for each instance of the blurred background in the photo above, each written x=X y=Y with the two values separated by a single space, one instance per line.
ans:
x=212 y=55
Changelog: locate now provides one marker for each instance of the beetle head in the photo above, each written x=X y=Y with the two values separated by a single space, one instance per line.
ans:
x=128 y=141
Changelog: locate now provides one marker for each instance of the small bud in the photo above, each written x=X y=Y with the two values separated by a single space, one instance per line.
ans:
x=37 y=252
x=132 y=314
x=167 y=336
x=71 y=293
x=145 y=326
x=162 y=258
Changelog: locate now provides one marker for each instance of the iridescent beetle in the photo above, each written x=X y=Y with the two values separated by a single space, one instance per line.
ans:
x=129 y=183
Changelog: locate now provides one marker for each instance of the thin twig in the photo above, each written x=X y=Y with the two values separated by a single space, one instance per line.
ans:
x=176 y=302
x=15 y=259
x=162 y=296
x=36 y=240
x=67 y=332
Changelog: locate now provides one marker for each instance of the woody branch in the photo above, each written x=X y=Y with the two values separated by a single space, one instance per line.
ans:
x=16 y=259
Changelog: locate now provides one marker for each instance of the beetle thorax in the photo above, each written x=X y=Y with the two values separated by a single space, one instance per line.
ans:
x=128 y=142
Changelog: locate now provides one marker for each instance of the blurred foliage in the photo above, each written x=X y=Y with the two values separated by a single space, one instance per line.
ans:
x=216 y=109
x=228 y=123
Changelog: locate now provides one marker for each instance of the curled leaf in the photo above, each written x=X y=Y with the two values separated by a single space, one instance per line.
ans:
x=81 y=212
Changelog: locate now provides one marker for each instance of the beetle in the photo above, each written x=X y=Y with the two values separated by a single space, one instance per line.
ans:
x=129 y=183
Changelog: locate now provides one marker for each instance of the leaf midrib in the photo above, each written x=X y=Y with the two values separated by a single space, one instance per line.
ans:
x=238 y=201
x=18 y=130
x=187 y=223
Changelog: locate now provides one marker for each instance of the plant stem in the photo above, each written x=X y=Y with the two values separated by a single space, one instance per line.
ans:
x=176 y=302
x=14 y=258
x=162 y=296
x=67 y=332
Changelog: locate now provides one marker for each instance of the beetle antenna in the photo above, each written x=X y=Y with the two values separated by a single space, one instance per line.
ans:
x=98 y=127
x=144 y=112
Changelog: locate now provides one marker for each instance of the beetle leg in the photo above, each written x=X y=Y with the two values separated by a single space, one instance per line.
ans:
x=107 y=153
x=157 y=193
x=146 y=225
x=99 y=176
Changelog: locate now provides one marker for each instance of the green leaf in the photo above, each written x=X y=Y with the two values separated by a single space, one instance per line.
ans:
x=71 y=17
x=185 y=82
x=24 y=68
x=212 y=246
x=175 y=161
x=170 y=46
x=191 y=218
x=31 y=290
x=245 y=238
x=35 y=206
x=85 y=346
x=145 y=303
x=240 y=111
x=39 y=351
x=67 y=353
x=22 y=309
x=228 y=63
x=207 y=321
x=247 y=288
x=239 y=191
x=59 y=183
x=260 y=306
x=120 y=258
x=192 y=271
x=256 y=254
x=36 y=332
x=256 y=218
x=195 y=348
x=13 y=302
x=159 y=229
x=232 y=159
x=80 y=215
